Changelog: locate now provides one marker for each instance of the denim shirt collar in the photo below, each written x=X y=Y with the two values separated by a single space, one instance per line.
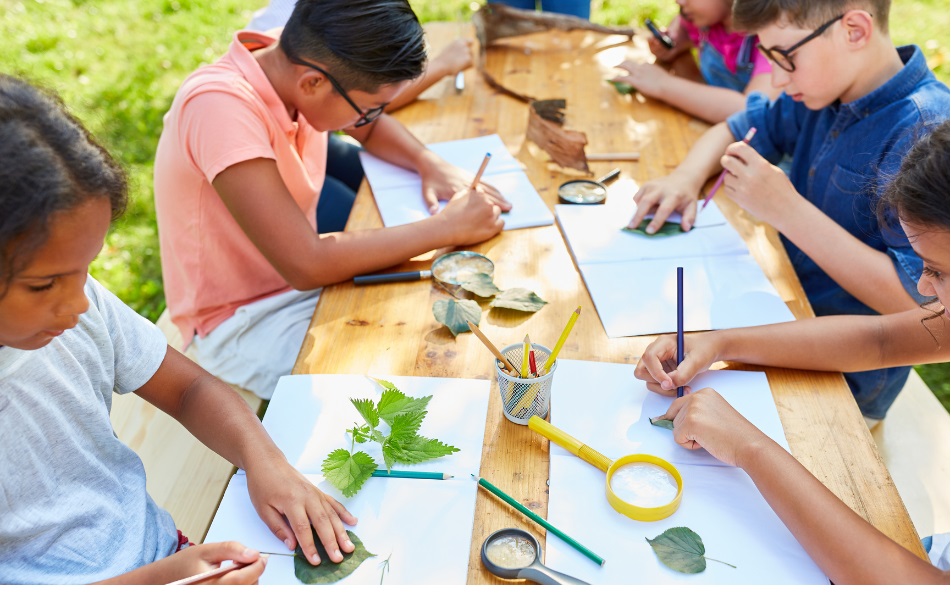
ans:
x=899 y=86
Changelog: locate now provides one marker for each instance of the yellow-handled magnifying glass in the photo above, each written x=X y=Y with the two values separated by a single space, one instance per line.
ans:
x=640 y=486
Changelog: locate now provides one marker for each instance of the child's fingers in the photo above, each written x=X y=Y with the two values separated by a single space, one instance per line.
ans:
x=650 y=368
x=330 y=530
x=279 y=526
x=215 y=553
x=431 y=199
x=249 y=574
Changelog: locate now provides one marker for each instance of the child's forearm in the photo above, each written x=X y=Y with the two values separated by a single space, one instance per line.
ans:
x=847 y=548
x=708 y=102
x=866 y=273
x=703 y=159
x=839 y=343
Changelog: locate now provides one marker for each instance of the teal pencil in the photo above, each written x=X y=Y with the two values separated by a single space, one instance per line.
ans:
x=538 y=519
x=410 y=474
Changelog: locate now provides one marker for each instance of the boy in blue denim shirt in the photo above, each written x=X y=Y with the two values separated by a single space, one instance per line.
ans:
x=852 y=105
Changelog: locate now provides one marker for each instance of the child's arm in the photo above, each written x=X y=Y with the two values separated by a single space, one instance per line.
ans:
x=456 y=57
x=286 y=501
x=680 y=190
x=307 y=260
x=198 y=560
x=766 y=192
x=847 y=548
x=831 y=343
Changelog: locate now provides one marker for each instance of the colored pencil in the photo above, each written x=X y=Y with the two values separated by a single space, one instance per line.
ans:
x=411 y=474
x=532 y=366
x=680 y=322
x=526 y=348
x=561 y=340
x=538 y=519
x=210 y=573
x=485 y=163
x=506 y=365
x=716 y=186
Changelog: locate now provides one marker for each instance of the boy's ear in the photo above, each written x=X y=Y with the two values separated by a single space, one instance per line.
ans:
x=310 y=82
x=859 y=26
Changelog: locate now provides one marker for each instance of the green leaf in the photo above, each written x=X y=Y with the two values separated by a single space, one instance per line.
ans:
x=622 y=87
x=405 y=426
x=666 y=230
x=681 y=549
x=361 y=434
x=415 y=450
x=520 y=299
x=367 y=410
x=454 y=314
x=481 y=284
x=348 y=472
x=327 y=572
x=662 y=423
x=382 y=383
x=394 y=402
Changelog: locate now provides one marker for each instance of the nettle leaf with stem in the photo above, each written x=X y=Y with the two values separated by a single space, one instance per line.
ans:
x=402 y=444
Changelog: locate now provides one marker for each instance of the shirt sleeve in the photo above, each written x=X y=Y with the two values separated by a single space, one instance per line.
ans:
x=138 y=345
x=221 y=129
x=777 y=125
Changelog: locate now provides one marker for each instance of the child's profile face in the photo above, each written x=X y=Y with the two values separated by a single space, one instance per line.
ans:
x=821 y=76
x=705 y=13
x=327 y=110
x=46 y=298
x=933 y=245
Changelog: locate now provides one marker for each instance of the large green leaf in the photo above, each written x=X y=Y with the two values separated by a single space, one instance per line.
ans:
x=348 y=472
x=415 y=450
x=454 y=314
x=394 y=402
x=481 y=284
x=681 y=549
x=662 y=423
x=520 y=299
x=327 y=572
x=367 y=410
x=667 y=229
x=405 y=426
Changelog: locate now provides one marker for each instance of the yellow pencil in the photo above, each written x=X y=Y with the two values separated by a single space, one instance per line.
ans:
x=526 y=347
x=561 y=340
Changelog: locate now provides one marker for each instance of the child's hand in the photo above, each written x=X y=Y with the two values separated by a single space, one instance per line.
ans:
x=199 y=559
x=290 y=505
x=649 y=79
x=471 y=217
x=444 y=180
x=663 y=197
x=757 y=186
x=704 y=419
x=681 y=43
x=457 y=56
x=658 y=364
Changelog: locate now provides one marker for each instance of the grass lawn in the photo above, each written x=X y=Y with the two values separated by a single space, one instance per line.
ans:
x=118 y=63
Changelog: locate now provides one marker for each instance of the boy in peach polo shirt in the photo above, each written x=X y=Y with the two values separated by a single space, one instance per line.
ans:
x=240 y=166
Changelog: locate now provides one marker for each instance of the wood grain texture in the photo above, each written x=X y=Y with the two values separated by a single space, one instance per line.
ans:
x=389 y=329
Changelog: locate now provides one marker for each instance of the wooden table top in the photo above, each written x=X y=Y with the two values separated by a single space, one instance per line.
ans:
x=390 y=328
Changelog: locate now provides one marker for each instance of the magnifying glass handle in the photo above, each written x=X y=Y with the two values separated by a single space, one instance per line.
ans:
x=414 y=275
x=610 y=176
x=542 y=574
x=560 y=437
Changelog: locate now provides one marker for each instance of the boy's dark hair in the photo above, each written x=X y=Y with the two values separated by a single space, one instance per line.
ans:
x=919 y=192
x=753 y=15
x=363 y=43
x=48 y=163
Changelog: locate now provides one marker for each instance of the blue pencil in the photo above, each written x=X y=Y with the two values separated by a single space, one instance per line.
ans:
x=680 y=322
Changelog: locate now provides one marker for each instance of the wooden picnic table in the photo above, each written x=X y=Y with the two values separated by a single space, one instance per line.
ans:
x=389 y=329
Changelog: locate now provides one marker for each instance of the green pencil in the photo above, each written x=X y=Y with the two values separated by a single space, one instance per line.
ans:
x=410 y=474
x=536 y=518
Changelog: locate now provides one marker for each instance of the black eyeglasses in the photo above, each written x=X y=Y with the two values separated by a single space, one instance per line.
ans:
x=365 y=117
x=783 y=58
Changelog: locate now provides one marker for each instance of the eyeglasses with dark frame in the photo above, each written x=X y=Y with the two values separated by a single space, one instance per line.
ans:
x=783 y=58
x=365 y=117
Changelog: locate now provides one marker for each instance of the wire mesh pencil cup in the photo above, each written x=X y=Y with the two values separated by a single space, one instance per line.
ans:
x=524 y=398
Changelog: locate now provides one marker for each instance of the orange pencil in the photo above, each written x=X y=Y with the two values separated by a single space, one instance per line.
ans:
x=485 y=163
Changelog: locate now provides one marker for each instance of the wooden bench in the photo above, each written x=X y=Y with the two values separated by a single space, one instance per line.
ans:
x=183 y=476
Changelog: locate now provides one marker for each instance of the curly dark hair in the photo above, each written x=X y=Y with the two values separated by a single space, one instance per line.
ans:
x=363 y=43
x=49 y=163
x=919 y=192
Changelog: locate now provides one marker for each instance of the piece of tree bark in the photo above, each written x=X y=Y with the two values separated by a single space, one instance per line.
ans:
x=565 y=146
x=497 y=21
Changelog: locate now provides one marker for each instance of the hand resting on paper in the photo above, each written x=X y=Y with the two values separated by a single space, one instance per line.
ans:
x=199 y=559
x=647 y=78
x=470 y=217
x=442 y=180
x=662 y=197
x=658 y=364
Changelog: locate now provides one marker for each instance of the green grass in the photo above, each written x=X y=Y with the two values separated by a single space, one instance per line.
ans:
x=118 y=63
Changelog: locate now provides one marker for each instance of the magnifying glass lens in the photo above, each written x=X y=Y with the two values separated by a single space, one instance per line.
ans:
x=644 y=485
x=583 y=192
x=511 y=552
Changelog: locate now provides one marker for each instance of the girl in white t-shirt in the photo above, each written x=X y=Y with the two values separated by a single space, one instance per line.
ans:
x=72 y=496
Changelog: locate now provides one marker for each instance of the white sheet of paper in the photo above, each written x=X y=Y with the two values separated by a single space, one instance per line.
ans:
x=720 y=502
x=596 y=234
x=399 y=196
x=639 y=297
x=425 y=526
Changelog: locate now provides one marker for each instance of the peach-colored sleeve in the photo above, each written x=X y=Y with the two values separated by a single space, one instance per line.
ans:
x=220 y=129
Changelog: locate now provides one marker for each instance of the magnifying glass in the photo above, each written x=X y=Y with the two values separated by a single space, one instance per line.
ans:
x=515 y=553
x=584 y=191
x=640 y=486
x=450 y=269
